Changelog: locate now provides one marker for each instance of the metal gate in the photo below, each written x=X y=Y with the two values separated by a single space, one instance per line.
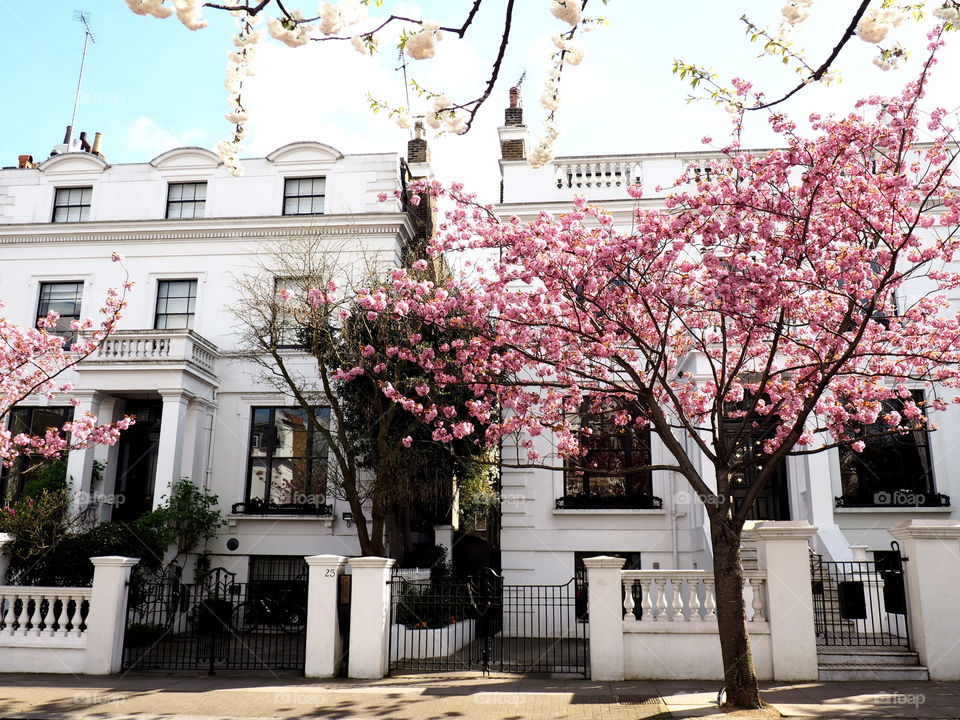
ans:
x=215 y=624
x=447 y=624
x=860 y=602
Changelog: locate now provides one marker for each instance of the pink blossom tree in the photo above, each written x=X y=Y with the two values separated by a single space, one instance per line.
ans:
x=32 y=360
x=760 y=314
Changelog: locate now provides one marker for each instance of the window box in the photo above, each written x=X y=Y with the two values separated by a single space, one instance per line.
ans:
x=898 y=500
x=609 y=502
x=258 y=507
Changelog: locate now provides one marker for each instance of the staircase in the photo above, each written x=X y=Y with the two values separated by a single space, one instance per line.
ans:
x=869 y=663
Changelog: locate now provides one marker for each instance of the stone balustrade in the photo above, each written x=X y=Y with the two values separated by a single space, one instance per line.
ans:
x=684 y=596
x=42 y=612
x=156 y=346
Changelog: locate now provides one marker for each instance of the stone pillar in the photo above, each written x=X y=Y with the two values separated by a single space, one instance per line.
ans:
x=370 y=617
x=5 y=540
x=80 y=462
x=783 y=551
x=443 y=536
x=931 y=549
x=605 y=605
x=324 y=645
x=107 y=617
x=170 y=448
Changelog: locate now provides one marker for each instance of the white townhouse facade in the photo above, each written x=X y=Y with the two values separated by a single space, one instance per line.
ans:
x=552 y=519
x=188 y=229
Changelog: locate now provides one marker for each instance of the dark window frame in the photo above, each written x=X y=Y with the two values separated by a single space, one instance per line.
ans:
x=22 y=418
x=878 y=476
x=296 y=195
x=62 y=197
x=62 y=327
x=181 y=203
x=315 y=466
x=191 y=313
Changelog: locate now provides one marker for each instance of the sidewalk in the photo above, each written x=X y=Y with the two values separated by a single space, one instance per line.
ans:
x=444 y=697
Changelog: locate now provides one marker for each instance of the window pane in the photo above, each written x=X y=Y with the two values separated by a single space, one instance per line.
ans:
x=317 y=208
x=176 y=192
x=258 y=480
x=200 y=191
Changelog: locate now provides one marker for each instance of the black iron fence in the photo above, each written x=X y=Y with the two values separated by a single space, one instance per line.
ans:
x=214 y=624
x=448 y=624
x=860 y=602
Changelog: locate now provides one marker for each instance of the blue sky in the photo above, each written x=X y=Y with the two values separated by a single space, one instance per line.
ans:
x=151 y=84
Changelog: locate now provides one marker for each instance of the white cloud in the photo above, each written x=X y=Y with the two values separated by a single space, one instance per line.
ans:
x=148 y=138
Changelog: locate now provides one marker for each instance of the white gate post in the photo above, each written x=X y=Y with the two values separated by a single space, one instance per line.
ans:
x=605 y=605
x=107 y=617
x=5 y=540
x=931 y=571
x=324 y=649
x=783 y=551
x=370 y=617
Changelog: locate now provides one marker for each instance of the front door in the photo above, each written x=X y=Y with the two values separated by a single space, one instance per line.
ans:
x=773 y=503
x=137 y=461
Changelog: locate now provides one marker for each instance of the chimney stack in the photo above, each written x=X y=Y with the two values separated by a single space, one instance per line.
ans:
x=25 y=162
x=513 y=134
x=417 y=149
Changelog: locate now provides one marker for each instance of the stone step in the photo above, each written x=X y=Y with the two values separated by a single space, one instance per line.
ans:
x=856 y=672
x=869 y=655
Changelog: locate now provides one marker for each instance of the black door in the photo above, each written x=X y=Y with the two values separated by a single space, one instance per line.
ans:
x=137 y=461
x=773 y=503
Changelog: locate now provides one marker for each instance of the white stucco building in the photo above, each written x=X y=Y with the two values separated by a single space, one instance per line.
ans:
x=188 y=229
x=552 y=519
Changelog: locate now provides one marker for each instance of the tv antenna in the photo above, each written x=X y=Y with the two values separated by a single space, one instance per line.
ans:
x=84 y=18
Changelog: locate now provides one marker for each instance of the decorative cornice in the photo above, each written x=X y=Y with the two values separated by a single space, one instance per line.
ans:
x=206 y=229
x=923 y=529
x=604 y=561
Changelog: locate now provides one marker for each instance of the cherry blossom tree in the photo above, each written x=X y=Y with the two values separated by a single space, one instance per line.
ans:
x=32 y=360
x=778 y=306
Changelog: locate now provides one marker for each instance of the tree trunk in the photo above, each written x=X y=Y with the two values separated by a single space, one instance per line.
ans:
x=740 y=678
x=377 y=522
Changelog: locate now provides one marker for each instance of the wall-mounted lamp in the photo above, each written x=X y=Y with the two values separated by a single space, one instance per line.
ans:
x=348 y=518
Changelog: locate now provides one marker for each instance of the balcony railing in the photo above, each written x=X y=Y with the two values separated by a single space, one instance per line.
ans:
x=903 y=499
x=609 y=502
x=259 y=507
x=156 y=347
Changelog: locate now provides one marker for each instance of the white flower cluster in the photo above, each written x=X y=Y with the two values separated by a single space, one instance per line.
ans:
x=890 y=59
x=442 y=117
x=423 y=45
x=238 y=67
x=949 y=11
x=572 y=52
x=876 y=24
x=543 y=152
x=796 y=11
x=403 y=119
x=334 y=18
x=150 y=7
x=566 y=10
x=290 y=32
x=188 y=11
x=360 y=43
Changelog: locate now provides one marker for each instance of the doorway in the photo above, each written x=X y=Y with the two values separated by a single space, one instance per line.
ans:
x=137 y=460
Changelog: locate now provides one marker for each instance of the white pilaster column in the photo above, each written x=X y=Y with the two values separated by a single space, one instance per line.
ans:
x=5 y=540
x=370 y=617
x=443 y=536
x=170 y=450
x=80 y=462
x=605 y=605
x=931 y=550
x=107 y=617
x=324 y=650
x=783 y=551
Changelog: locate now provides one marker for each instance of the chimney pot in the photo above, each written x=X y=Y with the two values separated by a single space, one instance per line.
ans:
x=84 y=145
x=97 y=142
x=26 y=161
x=68 y=136
x=514 y=97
